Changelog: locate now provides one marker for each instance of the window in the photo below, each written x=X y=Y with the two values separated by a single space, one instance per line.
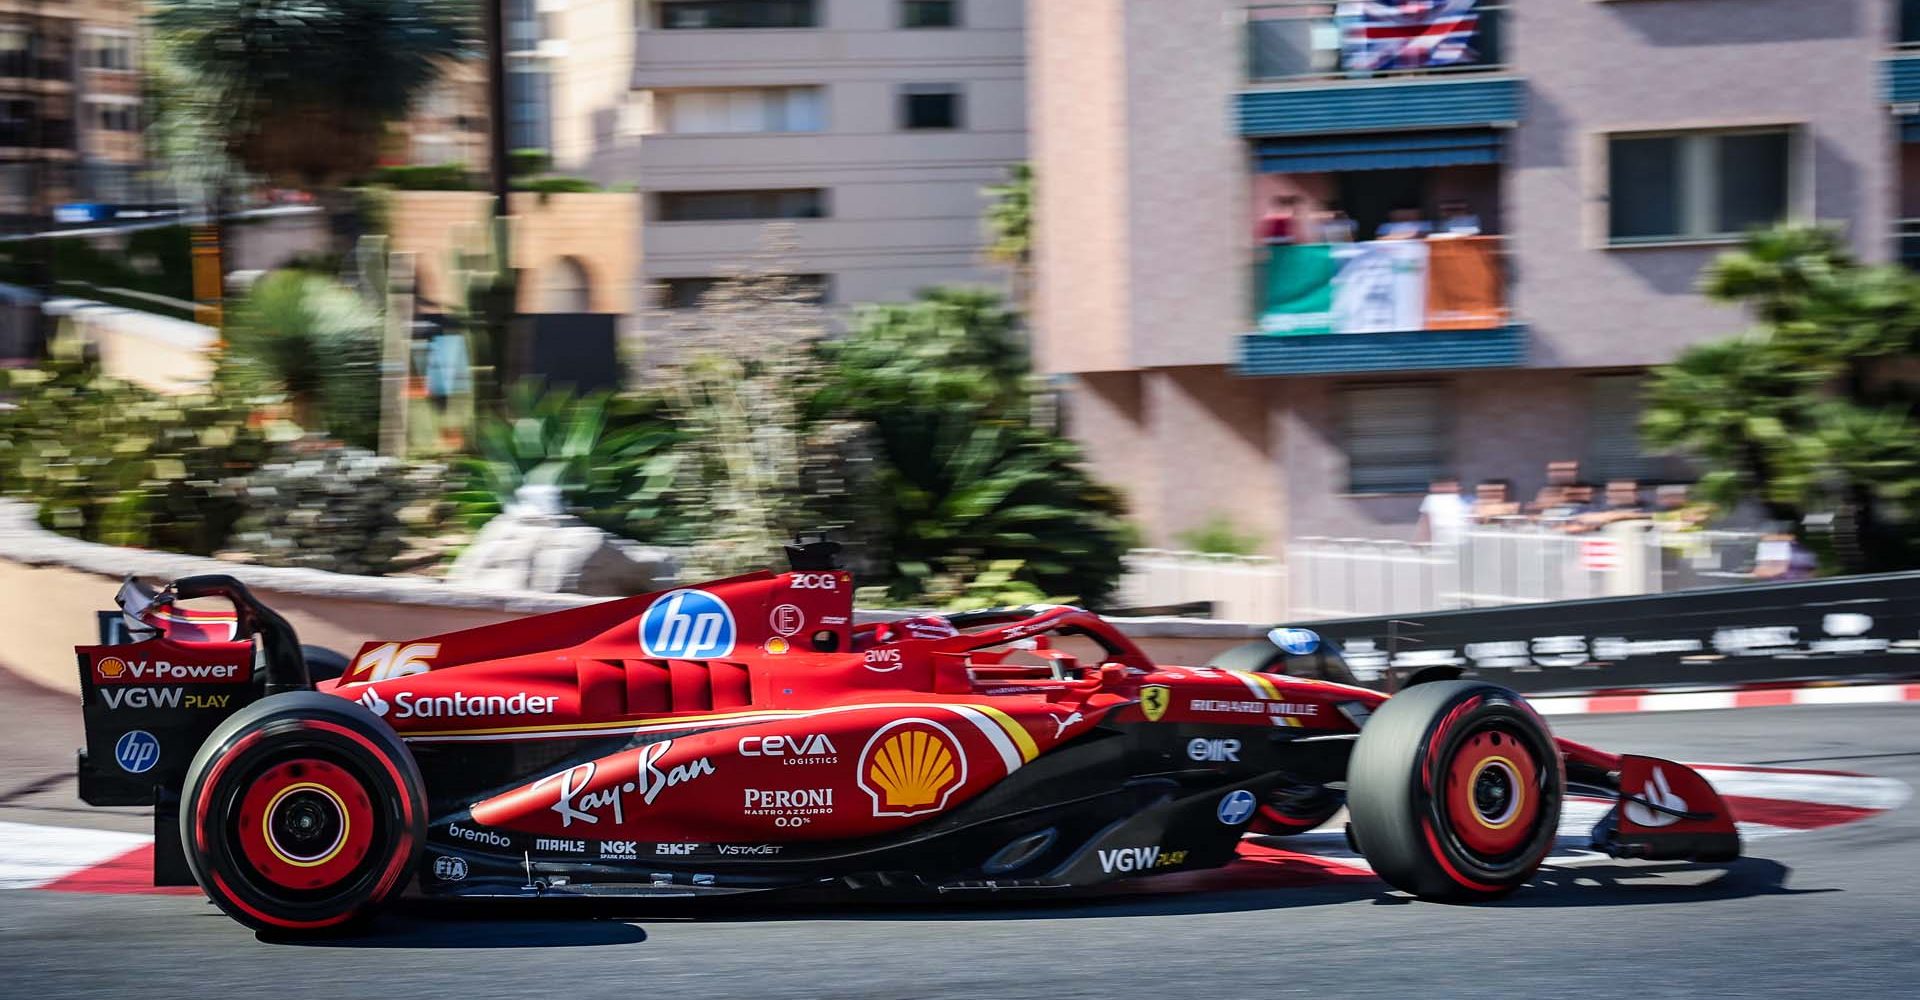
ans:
x=1613 y=429
x=528 y=94
x=745 y=109
x=1396 y=438
x=16 y=53
x=722 y=206
x=116 y=117
x=686 y=293
x=930 y=14
x=109 y=52
x=1704 y=185
x=930 y=106
x=706 y=14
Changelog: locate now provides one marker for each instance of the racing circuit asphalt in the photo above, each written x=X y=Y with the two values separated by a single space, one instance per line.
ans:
x=1823 y=913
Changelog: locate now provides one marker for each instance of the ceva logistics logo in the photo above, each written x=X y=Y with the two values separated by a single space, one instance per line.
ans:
x=687 y=624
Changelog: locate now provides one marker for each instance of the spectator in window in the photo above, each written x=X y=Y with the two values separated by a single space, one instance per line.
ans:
x=1443 y=514
x=1457 y=219
x=1334 y=225
x=1280 y=226
x=1404 y=224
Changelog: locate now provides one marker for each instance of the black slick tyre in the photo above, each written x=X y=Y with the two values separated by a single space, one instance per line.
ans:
x=1455 y=790
x=303 y=813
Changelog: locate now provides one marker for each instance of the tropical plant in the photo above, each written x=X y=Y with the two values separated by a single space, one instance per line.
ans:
x=611 y=458
x=1010 y=218
x=963 y=479
x=300 y=92
x=314 y=342
x=1799 y=414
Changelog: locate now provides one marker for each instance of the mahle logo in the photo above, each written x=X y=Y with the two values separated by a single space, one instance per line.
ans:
x=687 y=624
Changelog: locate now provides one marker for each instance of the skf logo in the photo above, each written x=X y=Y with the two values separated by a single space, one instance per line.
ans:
x=1154 y=699
x=687 y=624
x=911 y=767
x=111 y=667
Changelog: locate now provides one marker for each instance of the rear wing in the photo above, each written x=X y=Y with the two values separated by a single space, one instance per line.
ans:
x=148 y=704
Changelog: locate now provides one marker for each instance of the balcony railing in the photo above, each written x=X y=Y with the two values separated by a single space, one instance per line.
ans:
x=1382 y=286
x=1303 y=41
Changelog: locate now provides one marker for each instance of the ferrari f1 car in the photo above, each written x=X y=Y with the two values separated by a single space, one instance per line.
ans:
x=746 y=735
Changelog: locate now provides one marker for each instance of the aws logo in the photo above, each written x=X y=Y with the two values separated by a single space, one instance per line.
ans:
x=687 y=624
x=911 y=767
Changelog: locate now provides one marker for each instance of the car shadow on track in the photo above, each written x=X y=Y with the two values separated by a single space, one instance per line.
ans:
x=411 y=926
x=577 y=923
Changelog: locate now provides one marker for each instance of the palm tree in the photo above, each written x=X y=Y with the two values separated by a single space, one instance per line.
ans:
x=300 y=92
x=1010 y=226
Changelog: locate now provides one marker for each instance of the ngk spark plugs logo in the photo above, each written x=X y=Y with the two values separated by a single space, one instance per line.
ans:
x=911 y=767
x=687 y=624
x=579 y=801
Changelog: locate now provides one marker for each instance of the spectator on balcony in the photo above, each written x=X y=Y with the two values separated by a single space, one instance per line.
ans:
x=1457 y=219
x=1404 y=224
x=1281 y=225
x=1560 y=475
x=1492 y=501
x=1621 y=503
x=1443 y=514
x=1333 y=225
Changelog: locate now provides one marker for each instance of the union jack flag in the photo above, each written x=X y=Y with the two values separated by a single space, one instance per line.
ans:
x=1380 y=35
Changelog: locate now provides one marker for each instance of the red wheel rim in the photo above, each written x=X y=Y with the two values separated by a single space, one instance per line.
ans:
x=306 y=824
x=1493 y=793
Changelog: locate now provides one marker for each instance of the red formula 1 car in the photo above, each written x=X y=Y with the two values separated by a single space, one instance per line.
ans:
x=745 y=735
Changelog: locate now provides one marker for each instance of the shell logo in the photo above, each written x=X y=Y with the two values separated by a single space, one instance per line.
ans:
x=111 y=666
x=911 y=767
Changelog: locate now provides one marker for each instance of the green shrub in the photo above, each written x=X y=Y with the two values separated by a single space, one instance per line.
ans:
x=556 y=185
x=427 y=177
x=110 y=462
x=1218 y=535
x=317 y=344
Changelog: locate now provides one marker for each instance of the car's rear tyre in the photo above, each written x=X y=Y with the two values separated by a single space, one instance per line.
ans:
x=1288 y=812
x=302 y=813
x=1455 y=789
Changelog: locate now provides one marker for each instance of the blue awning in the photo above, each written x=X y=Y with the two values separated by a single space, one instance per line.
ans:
x=1381 y=151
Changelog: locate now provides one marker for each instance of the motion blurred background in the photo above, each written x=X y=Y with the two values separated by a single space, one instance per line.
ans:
x=1257 y=311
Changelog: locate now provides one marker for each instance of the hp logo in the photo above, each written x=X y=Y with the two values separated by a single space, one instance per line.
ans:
x=687 y=624
x=137 y=752
x=1236 y=807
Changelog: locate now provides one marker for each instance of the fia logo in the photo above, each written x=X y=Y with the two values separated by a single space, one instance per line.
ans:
x=687 y=624
x=137 y=751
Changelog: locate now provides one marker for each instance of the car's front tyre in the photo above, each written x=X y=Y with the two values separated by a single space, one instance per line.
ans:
x=1455 y=789
x=302 y=813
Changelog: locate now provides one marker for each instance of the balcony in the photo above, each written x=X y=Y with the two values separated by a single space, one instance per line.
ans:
x=1314 y=71
x=1383 y=306
x=1901 y=69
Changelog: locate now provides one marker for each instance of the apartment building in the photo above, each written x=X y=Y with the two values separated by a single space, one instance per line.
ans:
x=70 y=105
x=870 y=126
x=1195 y=161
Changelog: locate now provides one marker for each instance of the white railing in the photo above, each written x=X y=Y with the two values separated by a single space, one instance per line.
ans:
x=1241 y=588
x=1490 y=566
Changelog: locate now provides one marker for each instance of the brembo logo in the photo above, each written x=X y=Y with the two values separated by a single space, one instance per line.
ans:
x=408 y=705
x=687 y=624
x=472 y=836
